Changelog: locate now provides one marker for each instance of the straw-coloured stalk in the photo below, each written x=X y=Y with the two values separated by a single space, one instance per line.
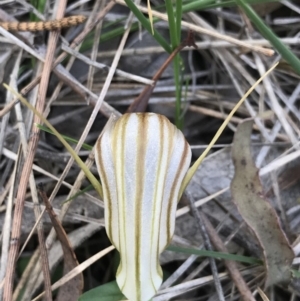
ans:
x=142 y=160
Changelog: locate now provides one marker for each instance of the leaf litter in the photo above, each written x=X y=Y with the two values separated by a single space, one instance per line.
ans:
x=215 y=77
x=249 y=197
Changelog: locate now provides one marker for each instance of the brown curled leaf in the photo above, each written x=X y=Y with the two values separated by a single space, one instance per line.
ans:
x=256 y=210
x=73 y=288
x=47 y=25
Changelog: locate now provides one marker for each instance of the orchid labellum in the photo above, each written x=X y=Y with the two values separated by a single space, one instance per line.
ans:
x=142 y=159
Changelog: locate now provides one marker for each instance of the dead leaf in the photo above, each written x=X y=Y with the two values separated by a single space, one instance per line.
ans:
x=73 y=288
x=260 y=216
x=263 y=9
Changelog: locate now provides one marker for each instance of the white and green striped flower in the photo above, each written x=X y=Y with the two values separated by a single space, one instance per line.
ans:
x=142 y=159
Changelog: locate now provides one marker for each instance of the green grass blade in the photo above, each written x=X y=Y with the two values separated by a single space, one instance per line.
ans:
x=208 y=4
x=172 y=24
x=175 y=33
x=285 y=52
x=79 y=193
x=197 y=5
x=178 y=19
x=67 y=138
x=178 y=67
x=206 y=253
x=40 y=6
x=186 y=7
x=146 y=24
x=296 y=273
x=177 y=78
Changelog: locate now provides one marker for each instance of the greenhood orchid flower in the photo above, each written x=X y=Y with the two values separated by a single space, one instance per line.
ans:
x=142 y=159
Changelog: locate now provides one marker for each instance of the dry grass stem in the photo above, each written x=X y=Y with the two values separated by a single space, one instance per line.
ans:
x=200 y=45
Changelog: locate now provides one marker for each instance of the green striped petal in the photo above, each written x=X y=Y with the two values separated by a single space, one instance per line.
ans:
x=142 y=159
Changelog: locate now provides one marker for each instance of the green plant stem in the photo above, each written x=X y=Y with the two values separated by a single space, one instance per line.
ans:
x=175 y=34
x=177 y=68
x=177 y=79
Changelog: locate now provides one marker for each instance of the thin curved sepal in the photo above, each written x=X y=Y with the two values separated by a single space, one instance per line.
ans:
x=197 y=163
x=142 y=159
